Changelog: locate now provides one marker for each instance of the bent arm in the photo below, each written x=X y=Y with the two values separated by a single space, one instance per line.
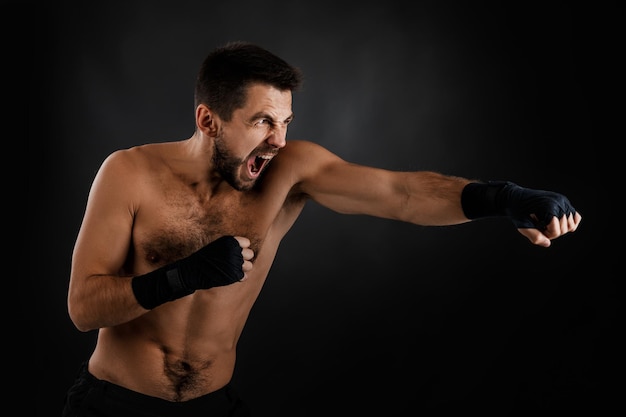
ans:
x=98 y=295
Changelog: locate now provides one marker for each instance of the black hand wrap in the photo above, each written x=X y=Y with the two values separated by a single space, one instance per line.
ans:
x=504 y=198
x=217 y=264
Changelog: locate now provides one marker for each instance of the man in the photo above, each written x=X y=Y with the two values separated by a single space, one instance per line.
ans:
x=178 y=238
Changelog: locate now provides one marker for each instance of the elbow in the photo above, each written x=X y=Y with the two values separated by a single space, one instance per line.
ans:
x=79 y=322
x=78 y=315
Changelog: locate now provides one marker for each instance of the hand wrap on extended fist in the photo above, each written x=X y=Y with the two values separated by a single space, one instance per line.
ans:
x=217 y=264
x=527 y=208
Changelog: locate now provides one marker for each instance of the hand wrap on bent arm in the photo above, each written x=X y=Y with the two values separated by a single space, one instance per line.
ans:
x=504 y=198
x=217 y=264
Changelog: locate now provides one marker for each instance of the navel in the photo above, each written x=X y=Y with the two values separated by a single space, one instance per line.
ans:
x=184 y=376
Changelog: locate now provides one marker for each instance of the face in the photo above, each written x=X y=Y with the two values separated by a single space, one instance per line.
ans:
x=247 y=143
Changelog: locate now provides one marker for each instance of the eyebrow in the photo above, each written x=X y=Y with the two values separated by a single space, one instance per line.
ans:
x=264 y=115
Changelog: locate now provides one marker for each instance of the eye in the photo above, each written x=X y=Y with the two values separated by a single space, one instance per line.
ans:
x=263 y=123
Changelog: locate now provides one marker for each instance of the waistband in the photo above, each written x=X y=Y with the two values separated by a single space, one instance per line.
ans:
x=221 y=398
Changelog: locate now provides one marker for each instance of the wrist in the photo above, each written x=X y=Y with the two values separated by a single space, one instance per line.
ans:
x=480 y=199
x=159 y=286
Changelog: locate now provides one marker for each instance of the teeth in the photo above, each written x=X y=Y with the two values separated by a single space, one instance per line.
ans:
x=266 y=156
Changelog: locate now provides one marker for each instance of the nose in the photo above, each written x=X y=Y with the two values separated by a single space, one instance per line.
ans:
x=278 y=137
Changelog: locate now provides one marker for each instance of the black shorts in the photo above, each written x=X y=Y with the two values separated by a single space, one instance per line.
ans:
x=90 y=396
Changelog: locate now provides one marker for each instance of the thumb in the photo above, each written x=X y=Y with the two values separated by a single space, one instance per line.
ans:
x=535 y=236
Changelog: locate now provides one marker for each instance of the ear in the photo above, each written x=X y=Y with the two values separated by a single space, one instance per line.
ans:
x=206 y=120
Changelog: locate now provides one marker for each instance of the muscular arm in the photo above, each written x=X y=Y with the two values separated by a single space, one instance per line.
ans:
x=98 y=295
x=428 y=198
x=423 y=197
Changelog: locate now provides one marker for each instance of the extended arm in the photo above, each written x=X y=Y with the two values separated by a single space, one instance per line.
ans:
x=429 y=198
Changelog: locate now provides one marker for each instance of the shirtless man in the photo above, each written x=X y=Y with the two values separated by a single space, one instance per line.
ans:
x=178 y=238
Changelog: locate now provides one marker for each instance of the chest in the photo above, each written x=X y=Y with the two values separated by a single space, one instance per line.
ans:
x=183 y=222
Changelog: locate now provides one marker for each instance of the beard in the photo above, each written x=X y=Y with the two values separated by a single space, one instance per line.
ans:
x=228 y=166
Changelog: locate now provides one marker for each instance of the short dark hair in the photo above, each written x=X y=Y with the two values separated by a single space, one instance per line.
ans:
x=228 y=71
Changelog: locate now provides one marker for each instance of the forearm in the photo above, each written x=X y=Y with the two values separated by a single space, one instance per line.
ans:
x=430 y=199
x=102 y=301
x=96 y=301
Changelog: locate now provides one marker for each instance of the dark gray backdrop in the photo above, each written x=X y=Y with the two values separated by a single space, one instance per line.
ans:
x=359 y=314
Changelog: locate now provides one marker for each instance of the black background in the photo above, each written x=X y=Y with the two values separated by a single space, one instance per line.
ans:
x=358 y=314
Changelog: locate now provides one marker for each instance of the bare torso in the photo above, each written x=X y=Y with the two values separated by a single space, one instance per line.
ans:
x=186 y=348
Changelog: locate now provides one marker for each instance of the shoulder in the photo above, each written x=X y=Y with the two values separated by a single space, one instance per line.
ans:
x=130 y=170
x=302 y=163
x=130 y=176
x=305 y=157
x=136 y=159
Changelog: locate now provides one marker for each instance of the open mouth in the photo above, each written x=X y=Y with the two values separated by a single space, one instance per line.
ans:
x=257 y=163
